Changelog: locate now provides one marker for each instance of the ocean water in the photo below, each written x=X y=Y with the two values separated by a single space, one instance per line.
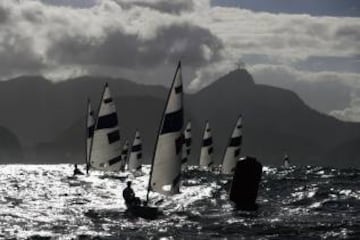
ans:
x=45 y=202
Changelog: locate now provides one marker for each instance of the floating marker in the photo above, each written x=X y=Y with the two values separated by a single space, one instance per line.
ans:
x=245 y=183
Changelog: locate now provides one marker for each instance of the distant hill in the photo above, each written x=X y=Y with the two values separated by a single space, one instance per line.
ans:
x=275 y=120
x=10 y=148
x=38 y=110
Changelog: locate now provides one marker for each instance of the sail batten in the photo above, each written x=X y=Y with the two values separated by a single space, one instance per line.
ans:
x=166 y=164
x=207 y=149
x=105 y=148
x=232 y=152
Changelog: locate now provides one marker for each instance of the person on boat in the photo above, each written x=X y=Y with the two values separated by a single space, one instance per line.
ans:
x=77 y=170
x=129 y=196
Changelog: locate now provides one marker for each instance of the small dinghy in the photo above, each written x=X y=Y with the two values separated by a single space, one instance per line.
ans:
x=166 y=162
x=145 y=212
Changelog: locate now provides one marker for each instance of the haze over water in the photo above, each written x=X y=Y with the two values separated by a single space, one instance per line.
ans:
x=44 y=202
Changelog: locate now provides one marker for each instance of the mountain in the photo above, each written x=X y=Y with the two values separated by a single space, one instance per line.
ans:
x=37 y=110
x=276 y=121
x=10 y=148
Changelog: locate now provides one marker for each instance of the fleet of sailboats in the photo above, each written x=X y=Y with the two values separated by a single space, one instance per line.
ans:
x=172 y=147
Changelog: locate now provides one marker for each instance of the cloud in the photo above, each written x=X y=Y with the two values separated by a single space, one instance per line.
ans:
x=324 y=91
x=45 y=38
x=173 y=6
x=351 y=113
x=283 y=39
x=143 y=40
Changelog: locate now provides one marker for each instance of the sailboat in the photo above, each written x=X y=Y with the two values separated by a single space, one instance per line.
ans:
x=232 y=151
x=124 y=155
x=135 y=157
x=90 y=125
x=286 y=161
x=187 y=145
x=206 y=161
x=105 y=152
x=166 y=163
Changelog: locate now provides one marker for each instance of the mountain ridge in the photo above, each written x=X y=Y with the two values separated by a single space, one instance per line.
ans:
x=275 y=120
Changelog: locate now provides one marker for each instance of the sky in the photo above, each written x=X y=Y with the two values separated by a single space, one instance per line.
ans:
x=310 y=47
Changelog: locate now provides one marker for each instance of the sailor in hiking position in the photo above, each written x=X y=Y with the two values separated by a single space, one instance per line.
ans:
x=129 y=196
x=77 y=171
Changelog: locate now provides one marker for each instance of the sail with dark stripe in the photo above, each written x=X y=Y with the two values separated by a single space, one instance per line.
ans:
x=207 y=149
x=106 y=148
x=166 y=165
x=232 y=153
x=124 y=155
x=187 y=144
x=90 y=125
x=135 y=158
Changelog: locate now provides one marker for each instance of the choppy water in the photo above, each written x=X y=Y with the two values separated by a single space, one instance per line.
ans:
x=42 y=202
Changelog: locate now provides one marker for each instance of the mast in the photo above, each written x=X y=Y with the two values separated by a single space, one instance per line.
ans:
x=89 y=133
x=170 y=139
x=86 y=136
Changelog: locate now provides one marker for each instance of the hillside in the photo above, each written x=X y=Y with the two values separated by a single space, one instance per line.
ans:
x=275 y=120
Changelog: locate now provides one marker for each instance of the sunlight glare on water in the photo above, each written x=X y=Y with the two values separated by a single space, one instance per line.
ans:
x=45 y=201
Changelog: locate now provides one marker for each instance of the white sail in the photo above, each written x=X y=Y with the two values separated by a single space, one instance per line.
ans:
x=166 y=165
x=206 y=153
x=135 y=157
x=90 y=125
x=232 y=152
x=124 y=155
x=286 y=161
x=106 y=149
x=187 y=144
